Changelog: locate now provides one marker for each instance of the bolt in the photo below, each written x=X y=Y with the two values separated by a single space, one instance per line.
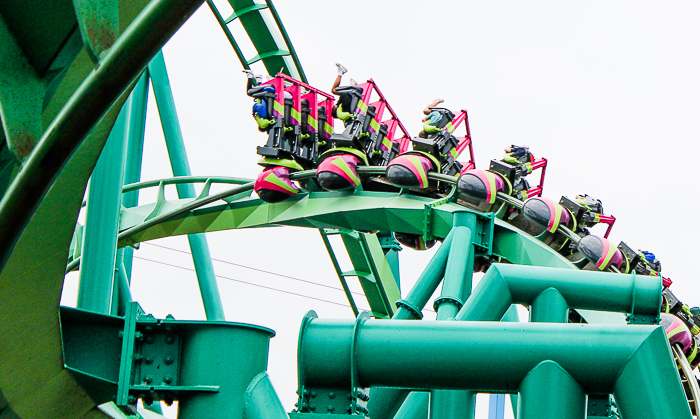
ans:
x=313 y=394
x=331 y=408
x=169 y=359
x=148 y=379
x=137 y=357
x=150 y=339
x=121 y=334
x=148 y=359
x=148 y=328
x=169 y=339
x=331 y=395
x=167 y=379
x=312 y=407
x=138 y=336
x=131 y=400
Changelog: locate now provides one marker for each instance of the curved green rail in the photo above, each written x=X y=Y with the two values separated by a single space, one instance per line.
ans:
x=269 y=37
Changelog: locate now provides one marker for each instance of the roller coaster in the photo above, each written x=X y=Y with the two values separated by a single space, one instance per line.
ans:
x=73 y=102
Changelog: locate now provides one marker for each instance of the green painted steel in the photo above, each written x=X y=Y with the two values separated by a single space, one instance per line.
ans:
x=42 y=200
x=138 y=101
x=339 y=271
x=414 y=407
x=270 y=39
x=426 y=284
x=99 y=251
x=504 y=285
x=98 y=23
x=371 y=268
x=97 y=92
x=549 y=392
x=363 y=211
x=139 y=356
x=549 y=306
x=633 y=363
x=453 y=404
x=175 y=143
x=261 y=401
x=458 y=274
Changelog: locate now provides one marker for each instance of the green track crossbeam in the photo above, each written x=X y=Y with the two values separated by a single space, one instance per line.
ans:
x=371 y=268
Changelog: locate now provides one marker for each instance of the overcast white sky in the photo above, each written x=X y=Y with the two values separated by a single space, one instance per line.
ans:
x=607 y=91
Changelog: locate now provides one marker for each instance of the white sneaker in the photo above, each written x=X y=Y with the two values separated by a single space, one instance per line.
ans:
x=341 y=69
x=249 y=73
x=353 y=82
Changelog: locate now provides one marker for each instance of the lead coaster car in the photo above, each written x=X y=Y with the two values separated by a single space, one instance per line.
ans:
x=273 y=183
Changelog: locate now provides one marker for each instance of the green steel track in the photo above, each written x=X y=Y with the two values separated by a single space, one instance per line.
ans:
x=68 y=85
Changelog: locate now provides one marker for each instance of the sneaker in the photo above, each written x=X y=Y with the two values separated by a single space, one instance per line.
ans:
x=248 y=73
x=341 y=69
x=353 y=82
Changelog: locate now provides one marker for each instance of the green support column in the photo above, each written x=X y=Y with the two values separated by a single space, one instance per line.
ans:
x=385 y=402
x=452 y=404
x=549 y=392
x=99 y=248
x=550 y=307
x=178 y=160
x=456 y=404
x=134 y=153
x=458 y=274
x=415 y=406
x=411 y=307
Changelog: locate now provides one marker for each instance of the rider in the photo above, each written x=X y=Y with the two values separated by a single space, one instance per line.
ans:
x=261 y=113
x=519 y=156
x=341 y=109
x=590 y=203
x=432 y=118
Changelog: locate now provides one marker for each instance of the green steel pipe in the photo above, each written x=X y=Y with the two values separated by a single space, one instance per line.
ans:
x=261 y=400
x=511 y=316
x=550 y=306
x=458 y=275
x=452 y=404
x=425 y=286
x=118 y=66
x=456 y=404
x=549 y=392
x=241 y=355
x=632 y=362
x=201 y=257
x=385 y=402
x=137 y=104
x=414 y=407
x=136 y=108
x=99 y=249
x=503 y=285
x=123 y=281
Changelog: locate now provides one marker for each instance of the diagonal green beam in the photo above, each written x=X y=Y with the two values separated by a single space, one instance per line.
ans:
x=118 y=67
x=21 y=95
x=175 y=143
x=373 y=271
x=98 y=21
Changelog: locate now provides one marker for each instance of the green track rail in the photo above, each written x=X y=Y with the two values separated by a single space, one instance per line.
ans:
x=270 y=39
